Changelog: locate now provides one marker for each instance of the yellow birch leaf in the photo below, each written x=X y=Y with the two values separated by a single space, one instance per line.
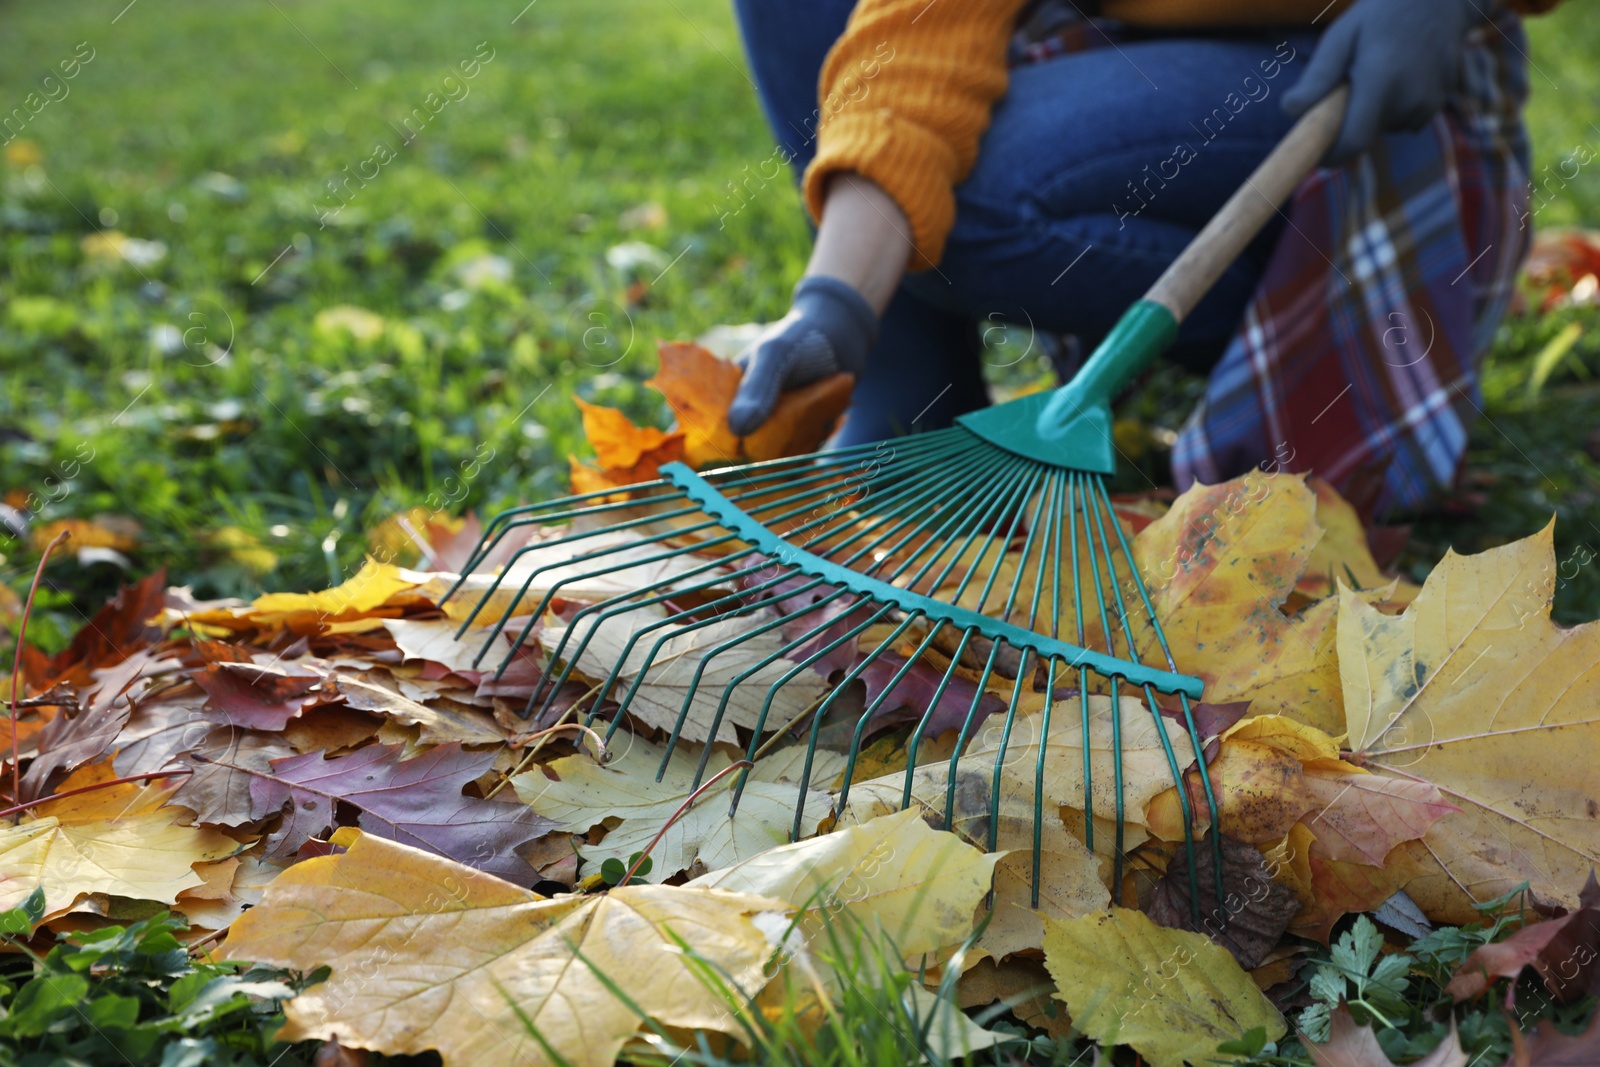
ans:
x=429 y=954
x=1477 y=691
x=1171 y=994
x=918 y=885
x=119 y=840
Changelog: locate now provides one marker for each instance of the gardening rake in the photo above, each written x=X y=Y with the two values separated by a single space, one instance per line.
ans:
x=957 y=543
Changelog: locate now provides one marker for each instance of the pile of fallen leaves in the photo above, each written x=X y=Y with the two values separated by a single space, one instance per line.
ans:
x=335 y=779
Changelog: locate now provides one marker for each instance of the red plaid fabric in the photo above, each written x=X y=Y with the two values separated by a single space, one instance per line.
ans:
x=1358 y=355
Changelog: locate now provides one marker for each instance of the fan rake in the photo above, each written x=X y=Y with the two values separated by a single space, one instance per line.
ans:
x=972 y=545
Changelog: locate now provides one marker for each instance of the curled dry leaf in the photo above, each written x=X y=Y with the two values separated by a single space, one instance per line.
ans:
x=1248 y=921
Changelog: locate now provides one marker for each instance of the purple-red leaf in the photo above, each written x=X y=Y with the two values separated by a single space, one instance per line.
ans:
x=254 y=696
x=912 y=696
x=417 y=802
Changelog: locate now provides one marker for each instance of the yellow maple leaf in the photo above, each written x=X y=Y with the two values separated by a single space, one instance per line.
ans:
x=1343 y=554
x=1171 y=994
x=429 y=954
x=119 y=840
x=1073 y=880
x=1475 y=690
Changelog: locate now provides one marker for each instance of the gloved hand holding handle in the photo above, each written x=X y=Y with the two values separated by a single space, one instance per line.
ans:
x=1402 y=59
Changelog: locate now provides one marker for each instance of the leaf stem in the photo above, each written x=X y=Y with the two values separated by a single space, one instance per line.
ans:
x=16 y=659
x=688 y=802
x=527 y=760
x=170 y=772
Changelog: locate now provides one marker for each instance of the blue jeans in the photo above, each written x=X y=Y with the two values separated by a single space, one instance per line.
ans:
x=1079 y=199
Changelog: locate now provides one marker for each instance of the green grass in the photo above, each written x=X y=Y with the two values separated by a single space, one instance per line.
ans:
x=301 y=437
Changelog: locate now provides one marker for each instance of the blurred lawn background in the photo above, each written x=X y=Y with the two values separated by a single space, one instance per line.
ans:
x=246 y=384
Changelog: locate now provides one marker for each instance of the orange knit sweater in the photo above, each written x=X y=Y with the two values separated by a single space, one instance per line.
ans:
x=906 y=92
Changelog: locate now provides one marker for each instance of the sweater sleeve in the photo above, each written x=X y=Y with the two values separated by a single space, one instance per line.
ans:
x=905 y=96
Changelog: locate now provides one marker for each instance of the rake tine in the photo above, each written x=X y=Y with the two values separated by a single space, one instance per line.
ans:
x=734 y=642
x=485 y=545
x=1194 y=735
x=655 y=650
x=961 y=738
x=1116 y=695
x=550 y=594
x=861 y=723
x=938 y=537
x=622 y=604
x=877 y=703
x=914 y=742
x=994 y=652
x=1155 y=710
x=772 y=693
x=1050 y=553
x=620 y=546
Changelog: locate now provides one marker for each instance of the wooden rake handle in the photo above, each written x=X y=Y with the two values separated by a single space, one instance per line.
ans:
x=1252 y=205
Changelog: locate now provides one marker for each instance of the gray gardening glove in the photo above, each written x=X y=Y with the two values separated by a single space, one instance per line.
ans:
x=1402 y=59
x=829 y=328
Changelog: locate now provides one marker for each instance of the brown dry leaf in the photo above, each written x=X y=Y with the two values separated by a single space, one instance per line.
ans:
x=803 y=419
x=122 y=840
x=1475 y=690
x=1024 y=986
x=1562 y=951
x=628 y=454
x=1248 y=921
x=429 y=954
x=700 y=388
x=1349 y=1045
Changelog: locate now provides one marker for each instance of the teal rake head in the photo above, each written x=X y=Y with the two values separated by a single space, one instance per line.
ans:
x=992 y=543
x=744 y=580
